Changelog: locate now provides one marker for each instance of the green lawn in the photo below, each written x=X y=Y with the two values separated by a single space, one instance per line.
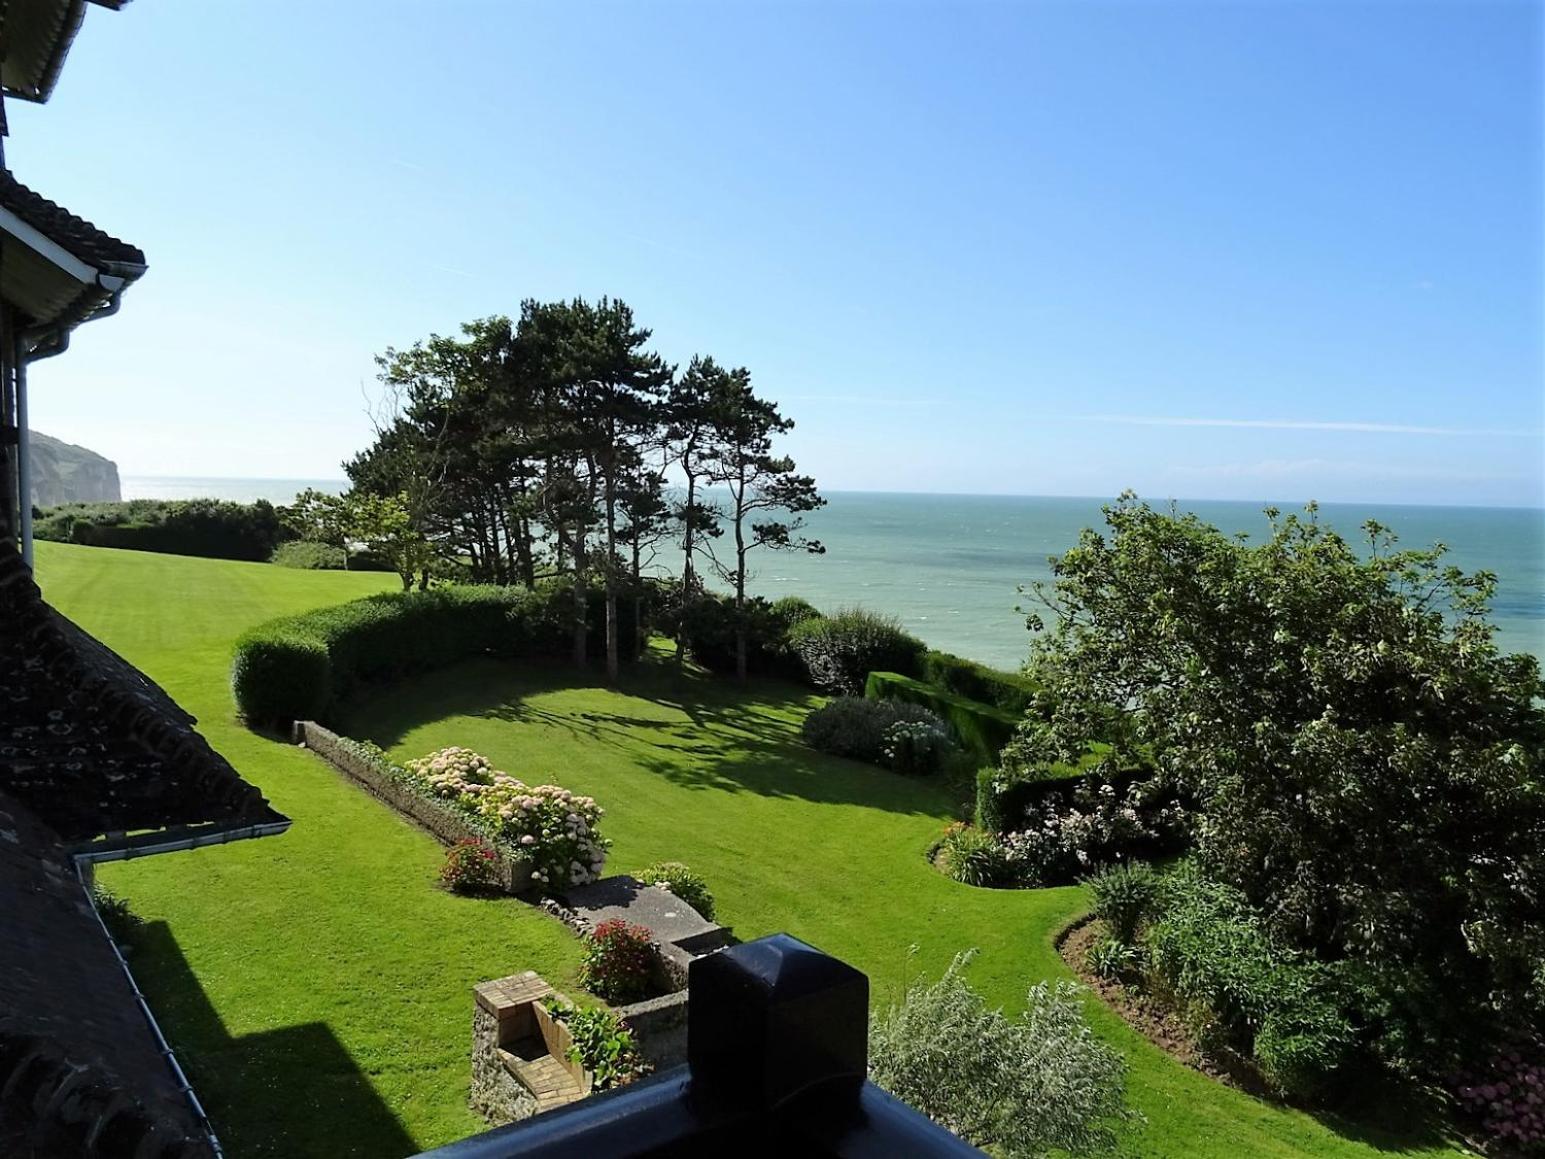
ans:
x=317 y=984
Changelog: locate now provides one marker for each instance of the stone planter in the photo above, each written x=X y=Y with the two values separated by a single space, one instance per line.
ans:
x=445 y=823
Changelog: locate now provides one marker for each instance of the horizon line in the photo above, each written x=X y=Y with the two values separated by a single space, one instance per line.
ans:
x=1285 y=504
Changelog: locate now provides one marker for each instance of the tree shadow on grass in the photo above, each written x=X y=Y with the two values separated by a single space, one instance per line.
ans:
x=709 y=733
x=1391 y=1115
x=294 y=1090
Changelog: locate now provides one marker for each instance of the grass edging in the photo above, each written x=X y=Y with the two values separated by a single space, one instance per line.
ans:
x=375 y=776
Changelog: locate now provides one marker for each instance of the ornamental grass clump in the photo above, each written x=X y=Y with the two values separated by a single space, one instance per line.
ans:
x=1022 y=1086
x=973 y=857
x=551 y=829
x=1124 y=897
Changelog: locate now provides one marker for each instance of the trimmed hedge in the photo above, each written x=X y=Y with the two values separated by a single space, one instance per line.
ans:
x=1011 y=691
x=301 y=667
x=982 y=728
x=211 y=528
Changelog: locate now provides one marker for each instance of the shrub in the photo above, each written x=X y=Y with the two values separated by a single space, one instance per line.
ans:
x=1038 y=1083
x=686 y=884
x=710 y=628
x=1367 y=762
x=973 y=857
x=1005 y=796
x=555 y=831
x=850 y=726
x=300 y=667
x=203 y=527
x=310 y=555
x=1212 y=950
x=120 y=920
x=1124 y=896
x=1110 y=957
x=839 y=651
x=979 y=727
x=1091 y=825
x=618 y=961
x=470 y=867
x=916 y=747
x=791 y=610
x=603 y=1044
x=1013 y=692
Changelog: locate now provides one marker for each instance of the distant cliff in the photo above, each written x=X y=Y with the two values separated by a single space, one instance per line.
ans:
x=64 y=473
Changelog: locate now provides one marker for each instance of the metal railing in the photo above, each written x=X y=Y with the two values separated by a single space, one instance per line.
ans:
x=777 y=1056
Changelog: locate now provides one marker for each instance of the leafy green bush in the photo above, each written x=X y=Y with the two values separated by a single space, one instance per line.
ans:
x=1124 y=896
x=1110 y=957
x=791 y=610
x=1365 y=762
x=299 y=667
x=839 y=651
x=685 y=883
x=603 y=1044
x=1211 y=949
x=1027 y=1086
x=710 y=628
x=851 y=726
x=981 y=728
x=618 y=961
x=973 y=857
x=1011 y=691
x=310 y=555
x=204 y=527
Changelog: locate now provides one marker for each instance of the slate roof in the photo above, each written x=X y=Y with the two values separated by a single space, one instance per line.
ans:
x=91 y=245
x=38 y=36
x=81 y=1073
x=93 y=747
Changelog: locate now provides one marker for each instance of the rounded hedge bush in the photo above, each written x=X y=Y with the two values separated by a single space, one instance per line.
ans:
x=841 y=650
x=851 y=726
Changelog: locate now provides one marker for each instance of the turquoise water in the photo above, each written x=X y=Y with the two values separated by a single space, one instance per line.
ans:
x=950 y=565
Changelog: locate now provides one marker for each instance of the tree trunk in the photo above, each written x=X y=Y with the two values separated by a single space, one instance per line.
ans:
x=581 y=599
x=524 y=561
x=689 y=537
x=740 y=580
x=612 y=666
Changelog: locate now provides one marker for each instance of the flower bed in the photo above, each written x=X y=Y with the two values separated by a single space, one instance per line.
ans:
x=544 y=837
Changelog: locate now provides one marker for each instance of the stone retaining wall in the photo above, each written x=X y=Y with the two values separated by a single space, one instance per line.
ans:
x=445 y=823
x=659 y=1026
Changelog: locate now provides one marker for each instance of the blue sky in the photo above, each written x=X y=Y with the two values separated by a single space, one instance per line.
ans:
x=1253 y=250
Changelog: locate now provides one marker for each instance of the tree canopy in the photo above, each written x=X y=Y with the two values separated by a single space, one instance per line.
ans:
x=1366 y=764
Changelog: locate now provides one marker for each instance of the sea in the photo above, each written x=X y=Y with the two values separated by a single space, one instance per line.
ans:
x=956 y=569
